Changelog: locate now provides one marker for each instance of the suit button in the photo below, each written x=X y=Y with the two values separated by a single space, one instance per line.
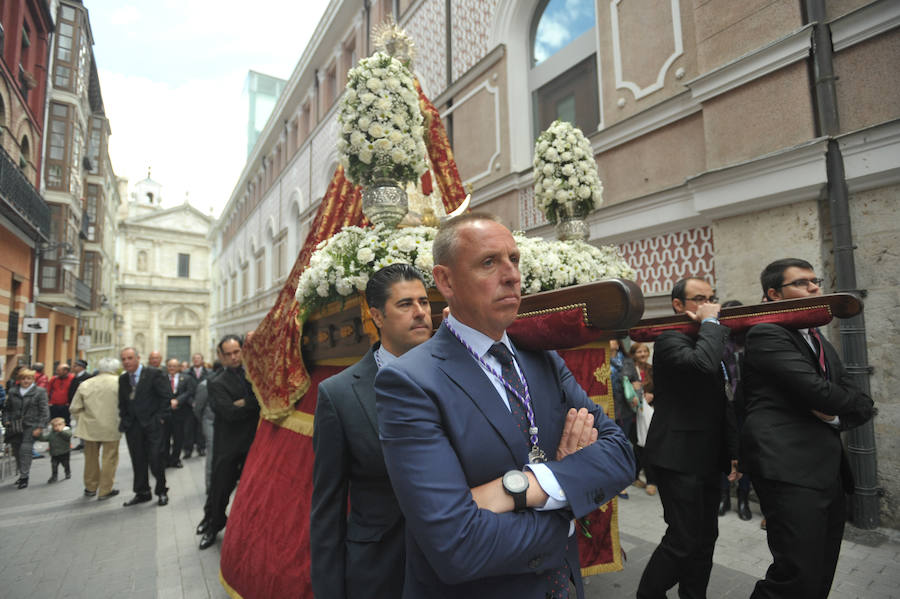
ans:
x=599 y=497
x=534 y=563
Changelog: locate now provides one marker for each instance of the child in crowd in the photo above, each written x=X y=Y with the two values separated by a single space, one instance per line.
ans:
x=60 y=447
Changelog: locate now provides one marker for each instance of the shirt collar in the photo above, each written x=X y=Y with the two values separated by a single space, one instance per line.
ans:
x=137 y=373
x=383 y=357
x=24 y=390
x=477 y=340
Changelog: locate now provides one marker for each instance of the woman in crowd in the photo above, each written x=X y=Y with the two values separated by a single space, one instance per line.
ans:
x=622 y=367
x=25 y=415
x=640 y=353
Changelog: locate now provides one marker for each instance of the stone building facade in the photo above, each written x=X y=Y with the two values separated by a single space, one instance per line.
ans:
x=708 y=127
x=24 y=216
x=75 y=285
x=163 y=288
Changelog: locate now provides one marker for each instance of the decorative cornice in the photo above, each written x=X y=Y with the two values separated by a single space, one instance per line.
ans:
x=872 y=156
x=666 y=112
x=761 y=62
x=779 y=178
x=864 y=23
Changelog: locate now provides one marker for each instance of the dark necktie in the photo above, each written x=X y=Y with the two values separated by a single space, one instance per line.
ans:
x=558 y=578
x=820 y=353
x=508 y=372
x=133 y=379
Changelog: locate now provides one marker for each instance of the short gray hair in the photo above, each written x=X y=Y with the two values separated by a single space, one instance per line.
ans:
x=444 y=247
x=109 y=365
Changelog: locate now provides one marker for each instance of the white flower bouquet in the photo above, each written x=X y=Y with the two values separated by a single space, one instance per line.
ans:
x=381 y=132
x=550 y=264
x=341 y=266
x=565 y=173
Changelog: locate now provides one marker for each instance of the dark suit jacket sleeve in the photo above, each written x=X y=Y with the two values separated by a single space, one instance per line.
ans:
x=224 y=390
x=186 y=387
x=595 y=474
x=460 y=541
x=328 y=511
x=777 y=354
x=162 y=391
x=703 y=356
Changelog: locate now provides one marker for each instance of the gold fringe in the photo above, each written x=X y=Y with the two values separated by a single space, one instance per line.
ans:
x=231 y=592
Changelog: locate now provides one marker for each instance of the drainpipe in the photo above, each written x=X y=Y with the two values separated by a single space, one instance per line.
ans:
x=861 y=440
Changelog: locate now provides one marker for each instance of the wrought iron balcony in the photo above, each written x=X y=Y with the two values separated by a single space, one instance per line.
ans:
x=20 y=201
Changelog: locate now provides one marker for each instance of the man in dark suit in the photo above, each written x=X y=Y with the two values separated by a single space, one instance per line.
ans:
x=362 y=554
x=193 y=430
x=79 y=375
x=182 y=387
x=144 y=396
x=237 y=415
x=692 y=438
x=469 y=421
x=799 y=398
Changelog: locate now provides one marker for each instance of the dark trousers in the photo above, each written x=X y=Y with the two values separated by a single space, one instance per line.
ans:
x=684 y=556
x=649 y=470
x=173 y=435
x=230 y=449
x=56 y=460
x=193 y=434
x=145 y=449
x=60 y=411
x=804 y=529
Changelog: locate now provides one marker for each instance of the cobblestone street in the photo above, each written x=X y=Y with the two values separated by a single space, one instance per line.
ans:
x=56 y=543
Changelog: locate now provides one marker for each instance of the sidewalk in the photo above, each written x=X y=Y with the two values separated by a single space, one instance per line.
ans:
x=867 y=568
x=56 y=543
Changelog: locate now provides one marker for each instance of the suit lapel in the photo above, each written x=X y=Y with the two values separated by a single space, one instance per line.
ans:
x=463 y=370
x=363 y=375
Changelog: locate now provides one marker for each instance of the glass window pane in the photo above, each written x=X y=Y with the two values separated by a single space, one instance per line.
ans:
x=561 y=22
x=68 y=13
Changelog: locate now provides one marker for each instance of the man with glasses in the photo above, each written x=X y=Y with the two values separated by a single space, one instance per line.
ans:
x=799 y=397
x=691 y=440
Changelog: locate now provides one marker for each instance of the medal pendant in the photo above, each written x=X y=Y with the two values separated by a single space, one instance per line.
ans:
x=536 y=456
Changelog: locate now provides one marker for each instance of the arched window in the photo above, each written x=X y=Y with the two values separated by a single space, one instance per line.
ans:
x=26 y=152
x=563 y=79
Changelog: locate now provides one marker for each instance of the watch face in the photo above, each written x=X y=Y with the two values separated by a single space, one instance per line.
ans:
x=515 y=481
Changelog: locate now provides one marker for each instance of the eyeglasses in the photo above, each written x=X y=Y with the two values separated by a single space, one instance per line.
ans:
x=702 y=299
x=803 y=283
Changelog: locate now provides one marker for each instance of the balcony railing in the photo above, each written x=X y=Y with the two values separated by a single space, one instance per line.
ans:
x=19 y=200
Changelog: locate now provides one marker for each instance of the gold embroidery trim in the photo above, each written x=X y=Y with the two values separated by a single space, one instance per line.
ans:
x=584 y=314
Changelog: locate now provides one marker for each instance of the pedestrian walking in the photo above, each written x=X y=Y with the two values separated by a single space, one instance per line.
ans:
x=96 y=407
x=25 y=415
x=60 y=438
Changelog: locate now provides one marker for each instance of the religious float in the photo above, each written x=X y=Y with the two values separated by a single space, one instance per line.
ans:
x=381 y=206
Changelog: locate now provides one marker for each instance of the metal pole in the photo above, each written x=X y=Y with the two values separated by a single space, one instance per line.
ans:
x=861 y=440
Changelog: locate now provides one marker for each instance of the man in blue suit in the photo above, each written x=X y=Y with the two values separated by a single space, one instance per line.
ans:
x=491 y=450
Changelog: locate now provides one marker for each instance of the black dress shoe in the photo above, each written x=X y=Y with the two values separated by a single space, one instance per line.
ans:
x=724 y=504
x=743 y=510
x=203 y=526
x=112 y=493
x=163 y=500
x=177 y=464
x=23 y=482
x=201 y=452
x=208 y=539
x=138 y=499
x=89 y=493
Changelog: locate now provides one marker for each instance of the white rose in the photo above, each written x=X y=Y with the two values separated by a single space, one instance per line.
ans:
x=365 y=155
x=398 y=156
x=392 y=83
x=584 y=192
x=568 y=170
x=374 y=84
x=364 y=123
x=357 y=139
x=365 y=255
x=383 y=145
x=376 y=130
x=367 y=98
x=384 y=105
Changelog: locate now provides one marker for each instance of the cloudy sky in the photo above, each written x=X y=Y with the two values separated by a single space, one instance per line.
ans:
x=172 y=74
